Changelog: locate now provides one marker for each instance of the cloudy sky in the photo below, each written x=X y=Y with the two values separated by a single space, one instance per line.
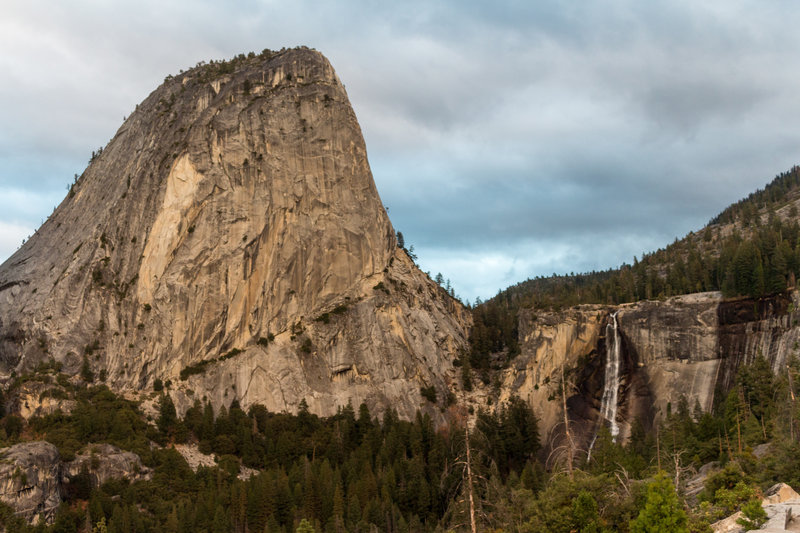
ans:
x=508 y=139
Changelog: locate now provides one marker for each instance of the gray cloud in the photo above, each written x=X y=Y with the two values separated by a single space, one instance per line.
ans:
x=508 y=140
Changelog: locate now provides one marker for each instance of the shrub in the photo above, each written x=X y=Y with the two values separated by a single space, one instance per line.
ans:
x=753 y=515
x=229 y=463
x=429 y=393
x=232 y=353
x=381 y=287
x=86 y=370
x=197 y=368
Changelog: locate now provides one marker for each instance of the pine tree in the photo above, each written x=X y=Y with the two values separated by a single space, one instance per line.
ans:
x=662 y=511
x=167 y=416
x=100 y=527
x=585 y=514
x=220 y=524
x=86 y=370
x=305 y=527
x=172 y=524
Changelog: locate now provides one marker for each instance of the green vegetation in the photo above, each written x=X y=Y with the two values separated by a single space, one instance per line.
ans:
x=86 y=370
x=352 y=472
x=662 y=511
x=381 y=287
x=196 y=368
x=232 y=353
x=325 y=318
x=348 y=472
x=306 y=346
x=264 y=341
x=201 y=366
x=99 y=416
x=755 y=253
x=429 y=393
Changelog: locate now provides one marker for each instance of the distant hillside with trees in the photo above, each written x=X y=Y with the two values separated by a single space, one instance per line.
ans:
x=752 y=248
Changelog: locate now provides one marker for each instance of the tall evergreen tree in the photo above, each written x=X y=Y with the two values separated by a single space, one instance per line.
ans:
x=662 y=511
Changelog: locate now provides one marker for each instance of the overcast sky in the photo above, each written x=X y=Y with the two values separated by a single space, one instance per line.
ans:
x=508 y=139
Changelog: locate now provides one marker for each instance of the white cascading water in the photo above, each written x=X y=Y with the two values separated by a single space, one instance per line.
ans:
x=608 y=405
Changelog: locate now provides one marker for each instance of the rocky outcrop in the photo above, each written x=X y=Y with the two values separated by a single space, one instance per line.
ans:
x=379 y=346
x=34 y=480
x=37 y=398
x=549 y=342
x=684 y=347
x=782 y=505
x=30 y=474
x=693 y=345
x=230 y=239
x=196 y=459
x=102 y=462
x=673 y=346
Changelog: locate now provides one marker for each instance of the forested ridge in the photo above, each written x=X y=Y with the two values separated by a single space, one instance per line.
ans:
x=355 y=472
x=359 y=471
x=752 y=248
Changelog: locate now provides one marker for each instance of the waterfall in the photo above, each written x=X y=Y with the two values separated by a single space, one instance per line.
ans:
x=608 y=405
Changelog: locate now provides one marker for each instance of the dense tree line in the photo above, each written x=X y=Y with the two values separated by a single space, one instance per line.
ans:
x=347 y=472
x=748 y=250
x=774 y=194
x=353 y=472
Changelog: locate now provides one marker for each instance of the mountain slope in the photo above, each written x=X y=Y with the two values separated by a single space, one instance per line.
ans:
x=750 y=249
x=230 y=211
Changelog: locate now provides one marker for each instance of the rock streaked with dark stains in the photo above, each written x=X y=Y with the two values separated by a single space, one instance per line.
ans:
x=227 y=208
x=34 y=480
x=689 y=346
x=30 y=475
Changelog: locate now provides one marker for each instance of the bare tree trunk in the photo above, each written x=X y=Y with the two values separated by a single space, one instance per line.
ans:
x=738 y=430
x=791 y=394
x=658 y=447
x=728 y=442
x=570 y=444
x=473 y=525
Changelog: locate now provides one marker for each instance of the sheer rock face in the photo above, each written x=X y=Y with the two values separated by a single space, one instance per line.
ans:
x=230 y=208
x=688 y=346
x=550 y=342
x=36 y=398
x=33 y=478
x=103 y=462
x=30 y=475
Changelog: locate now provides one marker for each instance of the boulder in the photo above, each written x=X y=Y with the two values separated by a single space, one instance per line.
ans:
x=30 y=475
x=103 y=462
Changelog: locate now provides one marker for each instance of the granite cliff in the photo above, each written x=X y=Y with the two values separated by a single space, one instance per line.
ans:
x=229 y=240
x=34 y=479
x=688 y=346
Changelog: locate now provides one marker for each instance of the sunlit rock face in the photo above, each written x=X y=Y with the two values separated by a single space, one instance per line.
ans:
x=231 y=230
x=684 y=347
